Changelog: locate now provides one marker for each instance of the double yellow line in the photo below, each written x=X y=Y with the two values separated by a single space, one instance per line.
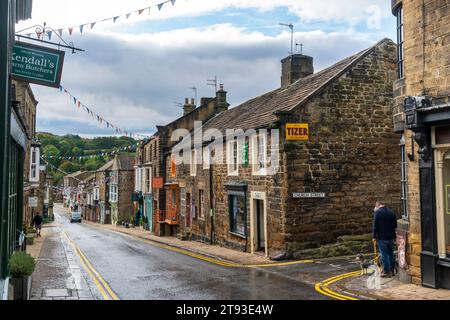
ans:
x=103 y=287
x=323 y=287
x=221 y=262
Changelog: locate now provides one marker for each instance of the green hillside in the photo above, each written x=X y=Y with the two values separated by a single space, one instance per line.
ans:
x=54 y=147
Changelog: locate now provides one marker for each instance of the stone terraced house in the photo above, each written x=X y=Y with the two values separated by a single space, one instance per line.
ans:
x=323 y=185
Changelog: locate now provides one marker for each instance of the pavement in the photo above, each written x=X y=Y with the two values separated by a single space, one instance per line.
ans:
x=58 y=275
x=93 y=261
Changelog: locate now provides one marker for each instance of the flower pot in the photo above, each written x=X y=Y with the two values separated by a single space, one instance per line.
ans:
x=22 y=288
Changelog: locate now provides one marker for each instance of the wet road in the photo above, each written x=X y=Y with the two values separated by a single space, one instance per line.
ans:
x=137 y=270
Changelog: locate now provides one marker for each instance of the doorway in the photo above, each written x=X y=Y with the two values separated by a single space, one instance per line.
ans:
x=260 y=226
x=258 y=222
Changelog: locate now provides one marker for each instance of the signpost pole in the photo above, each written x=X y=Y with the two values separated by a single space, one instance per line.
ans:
x=6 y=29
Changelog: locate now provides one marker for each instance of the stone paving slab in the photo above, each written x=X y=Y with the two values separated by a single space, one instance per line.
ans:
x=57 y=276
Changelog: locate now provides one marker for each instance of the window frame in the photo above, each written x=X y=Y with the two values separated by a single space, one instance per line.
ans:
x=193 y=164
x=34 y=164
x=400 y=42
x=256 y=153
x=113 y=193
x=233 y=157
x=201 y=204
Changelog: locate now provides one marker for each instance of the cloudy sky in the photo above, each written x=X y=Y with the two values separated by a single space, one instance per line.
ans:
x=134 y=71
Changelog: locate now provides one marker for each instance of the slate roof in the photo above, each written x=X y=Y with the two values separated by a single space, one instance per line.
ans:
x=259 y=112
x=123 y=162
x=107 y=166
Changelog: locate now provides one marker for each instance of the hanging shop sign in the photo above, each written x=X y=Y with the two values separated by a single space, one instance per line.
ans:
x=37 y=64
x=297 y=131
x=32 y=202
x=157 y=183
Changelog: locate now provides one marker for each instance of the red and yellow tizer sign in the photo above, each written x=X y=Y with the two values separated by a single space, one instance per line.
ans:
x=297 y=131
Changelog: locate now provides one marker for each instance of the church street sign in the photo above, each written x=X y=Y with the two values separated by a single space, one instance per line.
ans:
x=36 y=64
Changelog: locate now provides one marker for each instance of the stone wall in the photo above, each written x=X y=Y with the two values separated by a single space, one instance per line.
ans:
x=126 y=188
x=352 y=155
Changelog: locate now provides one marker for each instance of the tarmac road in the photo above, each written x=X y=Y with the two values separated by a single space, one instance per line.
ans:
x=123 y=267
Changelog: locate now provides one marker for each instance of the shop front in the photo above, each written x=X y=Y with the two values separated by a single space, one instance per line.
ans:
x=431 y=126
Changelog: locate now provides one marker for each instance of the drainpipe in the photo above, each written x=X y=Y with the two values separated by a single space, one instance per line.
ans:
x=211 y=202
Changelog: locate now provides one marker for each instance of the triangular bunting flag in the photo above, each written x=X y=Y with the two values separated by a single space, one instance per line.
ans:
x=140 y=11
x=78 y=104
x=81 y=28
x=74 y=100
x=61 y=88
x=160 y=6
x=70 y=30
x=173 y=2
x=92 y=25
x=49 y=35
x=115 y=19
x=60 y=31
x=128 y=15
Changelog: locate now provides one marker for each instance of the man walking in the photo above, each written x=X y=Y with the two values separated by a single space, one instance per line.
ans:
x=384 y=225
x=37 y=222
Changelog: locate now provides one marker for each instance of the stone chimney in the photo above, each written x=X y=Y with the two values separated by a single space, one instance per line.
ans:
x=188 y=107
x=222 y=104
x=295 y=67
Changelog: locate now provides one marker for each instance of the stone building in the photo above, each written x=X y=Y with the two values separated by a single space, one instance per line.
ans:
x=27 y=104
x=422 y=120
x=154 y=153
x=311 y=160
x=71 y=182
x=101 y=193
x=121 y=186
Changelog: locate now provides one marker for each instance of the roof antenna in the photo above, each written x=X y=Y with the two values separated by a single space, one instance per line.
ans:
x=291 y=26
x=212 y=83
x=194 y=88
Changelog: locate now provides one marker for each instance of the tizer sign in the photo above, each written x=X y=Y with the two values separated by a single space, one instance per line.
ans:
x=37 y=64
x=297 y=131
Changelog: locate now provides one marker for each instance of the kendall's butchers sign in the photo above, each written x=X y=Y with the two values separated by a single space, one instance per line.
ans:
x=36 y=64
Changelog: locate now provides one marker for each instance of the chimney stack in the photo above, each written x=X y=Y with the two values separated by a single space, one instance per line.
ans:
x=295 y=67
x=221 y=95
x=188 y=107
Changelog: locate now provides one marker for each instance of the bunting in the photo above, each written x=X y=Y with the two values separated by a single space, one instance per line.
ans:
x=101 y=120
x=113 y=19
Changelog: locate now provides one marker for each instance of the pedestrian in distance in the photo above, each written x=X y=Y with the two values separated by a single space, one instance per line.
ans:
x=37 y=222
x=384 y=225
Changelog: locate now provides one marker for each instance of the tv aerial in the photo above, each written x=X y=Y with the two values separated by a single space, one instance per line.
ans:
x=291 y=27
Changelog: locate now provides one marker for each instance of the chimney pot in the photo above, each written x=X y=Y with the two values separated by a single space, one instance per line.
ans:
x=295 y=67
x=186 y=100
x=192 y=101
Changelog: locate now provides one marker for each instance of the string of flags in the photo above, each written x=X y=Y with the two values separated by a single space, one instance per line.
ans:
x=101 y=154
x=102 y=121
x=90 y=25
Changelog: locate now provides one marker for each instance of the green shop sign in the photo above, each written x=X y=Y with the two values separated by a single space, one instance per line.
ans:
x=36 y=64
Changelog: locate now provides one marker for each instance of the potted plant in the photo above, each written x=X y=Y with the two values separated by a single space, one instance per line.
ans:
x=30 y=234
x=21 y=266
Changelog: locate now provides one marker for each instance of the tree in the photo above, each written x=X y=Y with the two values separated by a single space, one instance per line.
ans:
x=51 y=151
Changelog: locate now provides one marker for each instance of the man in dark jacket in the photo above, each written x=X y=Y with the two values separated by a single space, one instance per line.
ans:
x=384 y=225
x=37 y=222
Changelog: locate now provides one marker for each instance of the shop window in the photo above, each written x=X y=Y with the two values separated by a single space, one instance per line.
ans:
x=446 y=191
x=400 y=42
x=238 y=213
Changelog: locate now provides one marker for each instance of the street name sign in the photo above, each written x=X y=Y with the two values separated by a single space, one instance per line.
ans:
x=37 y=64
x=302 y=195
x=297 y=131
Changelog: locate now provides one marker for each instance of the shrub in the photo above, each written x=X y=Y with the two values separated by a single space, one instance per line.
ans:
x=21 y=264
